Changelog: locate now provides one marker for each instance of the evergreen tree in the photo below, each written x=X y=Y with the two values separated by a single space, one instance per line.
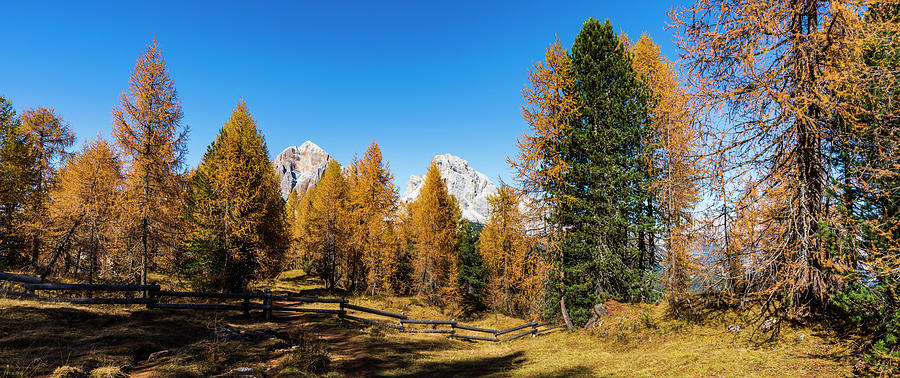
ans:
x=149 y=134
x=607 y=247
x=865 y=239
x=235 y=223
x=471 y=277
x=19 y=178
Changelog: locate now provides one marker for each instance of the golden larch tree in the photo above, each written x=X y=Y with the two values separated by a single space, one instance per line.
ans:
x=434 y=218
x=514 y=270
x=50 y=137
x=374 y=199
x=328 y=235
x=770 y=79
x=149 y=134
x=85 y=207
x=673 y=147
x=550 y=104
x=236 y=228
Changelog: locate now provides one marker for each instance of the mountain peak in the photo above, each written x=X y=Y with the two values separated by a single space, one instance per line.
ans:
x=470 y=187
x=310 y=146
x=300 y=167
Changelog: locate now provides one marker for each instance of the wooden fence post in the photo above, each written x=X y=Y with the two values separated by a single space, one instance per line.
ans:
x=151 y=294
x=534 y=328
x=452 y=328
x=268 y=301
x=246 y=306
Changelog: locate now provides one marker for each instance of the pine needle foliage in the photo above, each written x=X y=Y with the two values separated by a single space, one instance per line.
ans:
x=19 y=178
x=607 y=247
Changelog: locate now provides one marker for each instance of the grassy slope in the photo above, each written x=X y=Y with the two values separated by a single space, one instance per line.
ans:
x=35 y=338
x=633 y=340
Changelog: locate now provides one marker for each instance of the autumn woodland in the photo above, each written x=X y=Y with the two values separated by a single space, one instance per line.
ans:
x=756 y=173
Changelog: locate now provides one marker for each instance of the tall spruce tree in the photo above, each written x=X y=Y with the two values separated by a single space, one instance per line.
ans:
x=236 y=229
x=607 y=247
x=470 y=265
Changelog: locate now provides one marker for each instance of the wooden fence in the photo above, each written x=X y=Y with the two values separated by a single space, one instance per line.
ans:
x=151 y=296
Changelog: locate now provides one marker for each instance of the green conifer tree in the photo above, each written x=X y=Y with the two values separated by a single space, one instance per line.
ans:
x=470 y=264
x=607 y=240
x=19 y=177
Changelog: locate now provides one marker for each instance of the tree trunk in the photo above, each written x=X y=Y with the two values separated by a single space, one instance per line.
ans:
x=565 y=313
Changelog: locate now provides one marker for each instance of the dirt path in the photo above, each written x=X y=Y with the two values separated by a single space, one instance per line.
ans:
x=348 y=357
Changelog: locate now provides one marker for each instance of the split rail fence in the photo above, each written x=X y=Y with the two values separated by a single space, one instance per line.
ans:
x=151 y=296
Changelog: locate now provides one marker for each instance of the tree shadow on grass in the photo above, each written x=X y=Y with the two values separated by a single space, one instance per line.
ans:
x=373 y=355
x=471 y=367
x=35 y=339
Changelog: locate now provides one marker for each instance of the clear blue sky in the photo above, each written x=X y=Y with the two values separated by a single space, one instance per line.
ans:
x=420 y=77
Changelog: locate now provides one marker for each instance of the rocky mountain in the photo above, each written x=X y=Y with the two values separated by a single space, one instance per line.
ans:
x=301 y=167
x=470 y=187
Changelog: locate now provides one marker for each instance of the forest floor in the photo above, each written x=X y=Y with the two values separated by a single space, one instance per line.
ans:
x=39 y=339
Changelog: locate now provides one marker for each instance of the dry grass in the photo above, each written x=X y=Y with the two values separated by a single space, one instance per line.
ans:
x=37 y=338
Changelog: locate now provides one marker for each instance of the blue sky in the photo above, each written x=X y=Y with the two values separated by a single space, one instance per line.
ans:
x=421 y=78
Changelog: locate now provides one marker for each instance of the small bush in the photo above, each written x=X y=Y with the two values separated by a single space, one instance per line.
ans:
x=108 y=372
x=648 y=321
x=69 y=372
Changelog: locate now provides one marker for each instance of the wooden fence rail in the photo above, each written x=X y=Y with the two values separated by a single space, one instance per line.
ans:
x=470 y=337
x=370 y=321
x=424 y=321
x=153 y=295
x=89 y=287
x=513 y=329
x=476 y=329
x=373 y=311
x=19 y=278
x=309 y=299
x=146 y=301
x=311 y=310
x=194 y=294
